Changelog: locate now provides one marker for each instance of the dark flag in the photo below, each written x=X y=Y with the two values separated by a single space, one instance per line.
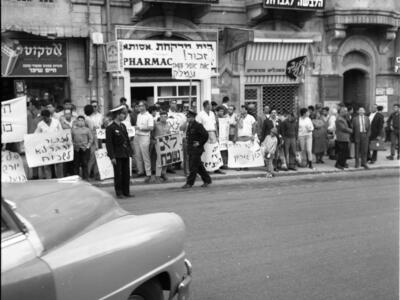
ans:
x=295 y=67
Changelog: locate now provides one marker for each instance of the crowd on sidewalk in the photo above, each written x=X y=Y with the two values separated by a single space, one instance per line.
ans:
x=288 y=141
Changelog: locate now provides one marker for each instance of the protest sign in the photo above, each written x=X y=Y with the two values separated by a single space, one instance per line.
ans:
x=14 y=124
x=101 y=133
x=104 y=164
x=48 y=148
x=223 y=133
x=192 y=64
x=244 y=155
x=12 y=168
x=211 y=157
x=169 y=149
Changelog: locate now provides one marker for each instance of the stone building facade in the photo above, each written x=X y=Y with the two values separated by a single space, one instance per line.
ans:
x=352 y=48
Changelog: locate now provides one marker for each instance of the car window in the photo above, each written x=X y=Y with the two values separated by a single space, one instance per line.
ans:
x=8 y=224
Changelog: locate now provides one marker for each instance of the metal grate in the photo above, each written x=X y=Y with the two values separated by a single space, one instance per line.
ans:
x=250 y=94
x=280 y=97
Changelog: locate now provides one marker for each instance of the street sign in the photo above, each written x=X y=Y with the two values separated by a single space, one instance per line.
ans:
x=114 y=56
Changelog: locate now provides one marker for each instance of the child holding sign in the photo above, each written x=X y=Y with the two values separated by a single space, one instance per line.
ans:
x=269 y=145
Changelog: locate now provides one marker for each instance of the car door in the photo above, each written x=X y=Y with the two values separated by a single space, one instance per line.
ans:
x=23 y=274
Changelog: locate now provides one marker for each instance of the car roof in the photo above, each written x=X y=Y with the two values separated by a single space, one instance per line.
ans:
x=61 y=209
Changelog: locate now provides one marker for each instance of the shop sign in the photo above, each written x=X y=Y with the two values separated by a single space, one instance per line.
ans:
x=295 y=4
x=265 y=67
x=33 y=58
x=154 y=54
x=114 y=56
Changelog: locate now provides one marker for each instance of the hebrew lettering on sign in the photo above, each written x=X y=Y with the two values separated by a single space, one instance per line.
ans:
x=169 y=149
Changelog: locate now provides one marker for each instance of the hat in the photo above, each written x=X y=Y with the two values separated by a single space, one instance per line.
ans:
x=117 y=109
x=191 y=113
x=274 y=131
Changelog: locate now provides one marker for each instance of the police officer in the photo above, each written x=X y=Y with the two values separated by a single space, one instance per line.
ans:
x=119 y=150
x=196 y=137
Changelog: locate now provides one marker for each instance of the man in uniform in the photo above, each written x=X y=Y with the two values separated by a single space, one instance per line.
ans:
x=196 y=137
x=119 y=150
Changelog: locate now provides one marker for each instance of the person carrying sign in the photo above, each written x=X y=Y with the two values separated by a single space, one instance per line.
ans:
x=160 y=128
x=119 y=150
x=196 y=137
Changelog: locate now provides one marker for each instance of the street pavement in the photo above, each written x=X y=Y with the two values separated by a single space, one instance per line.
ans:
x=315 y=237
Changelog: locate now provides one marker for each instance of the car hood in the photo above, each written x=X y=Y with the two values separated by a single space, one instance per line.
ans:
x=61 y=209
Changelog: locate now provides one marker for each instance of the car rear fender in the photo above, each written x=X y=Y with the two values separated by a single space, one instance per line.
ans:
x=110 y=261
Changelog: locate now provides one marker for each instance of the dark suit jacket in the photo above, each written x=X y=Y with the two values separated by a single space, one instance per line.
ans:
x=266 y=129
x=377 y=126
x=117 y=141
x=343 y=131
x=357 y=127
x=196 y=133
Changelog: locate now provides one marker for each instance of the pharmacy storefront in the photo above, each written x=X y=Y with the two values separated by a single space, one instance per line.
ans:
x=159 y=71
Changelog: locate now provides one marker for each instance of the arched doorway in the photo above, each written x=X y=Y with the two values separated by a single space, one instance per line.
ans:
x=355 y=88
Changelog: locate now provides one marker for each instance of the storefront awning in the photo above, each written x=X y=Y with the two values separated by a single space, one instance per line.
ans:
x=48 y=31
x=265 y=63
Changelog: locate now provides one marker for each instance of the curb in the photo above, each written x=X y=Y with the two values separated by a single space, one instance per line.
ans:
x=255 y=174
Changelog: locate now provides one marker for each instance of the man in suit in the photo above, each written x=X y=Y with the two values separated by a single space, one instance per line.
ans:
x=119 y=150
x=361 y=132
x=376 y=119
x=196 y=137
x=343 y=132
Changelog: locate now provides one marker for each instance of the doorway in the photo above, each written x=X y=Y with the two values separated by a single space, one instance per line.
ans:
x=355 y=89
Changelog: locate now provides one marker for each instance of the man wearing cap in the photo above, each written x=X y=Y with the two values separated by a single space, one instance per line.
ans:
x=377 y=121
x=119 y=150
x=196 y=137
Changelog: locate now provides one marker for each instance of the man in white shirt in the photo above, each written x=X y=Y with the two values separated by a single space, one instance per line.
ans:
x=96 y=117
x=49 y=124
x=233 y=118
x=246 y=126
x=207 y=118
x=141 y=142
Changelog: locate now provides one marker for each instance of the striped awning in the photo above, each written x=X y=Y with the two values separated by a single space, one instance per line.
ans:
x=278 y=52
x=46 y=31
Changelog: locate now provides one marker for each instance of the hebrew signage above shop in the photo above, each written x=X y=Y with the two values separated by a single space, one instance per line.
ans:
x=33 y=58
x=264 y=67
x=295 y=4
x=153 y=54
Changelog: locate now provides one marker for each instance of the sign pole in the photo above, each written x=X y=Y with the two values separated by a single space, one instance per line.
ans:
x=190 y=93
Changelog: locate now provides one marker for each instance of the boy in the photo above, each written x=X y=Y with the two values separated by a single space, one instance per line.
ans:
x=270 y=144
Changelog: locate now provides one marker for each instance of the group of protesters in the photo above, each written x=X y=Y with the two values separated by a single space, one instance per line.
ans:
x=288 y=140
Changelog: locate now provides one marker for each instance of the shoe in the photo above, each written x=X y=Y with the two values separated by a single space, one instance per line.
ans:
x=205 y=184
x=310 y=165
x=365 y=167
x=186 y=186
x=164 y=177
x=346 y=165
x=339 y=167
x=390 y=157
x=269 y=175
x=285 y=169
x=219 y=172
x=147 y=180
x=128 y=196
x=171 y=171
x=157 y=180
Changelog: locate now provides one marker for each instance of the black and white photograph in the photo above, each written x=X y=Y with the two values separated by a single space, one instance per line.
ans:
x=200 y=149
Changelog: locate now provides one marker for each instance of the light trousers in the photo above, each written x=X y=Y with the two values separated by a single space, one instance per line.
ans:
x=306 y=146
x=141 y=144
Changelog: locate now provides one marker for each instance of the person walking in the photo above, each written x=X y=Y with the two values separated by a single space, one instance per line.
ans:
x=141 y=143
x=393 y=123
x=196 y=136
x=306 y=129
x=289 y=131
x=377 y=121
x=160 y=128
x=361 y=132
x=343 y=132
x=82 y=139
x=119 y=150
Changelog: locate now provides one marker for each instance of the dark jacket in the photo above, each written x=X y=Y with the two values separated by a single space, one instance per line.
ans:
x=117 y=141
x=357 y=127
x=266 y=129
x=343 y=131
x=394 y=121
x=377 y=126
x=289 y=129
x=196 y=133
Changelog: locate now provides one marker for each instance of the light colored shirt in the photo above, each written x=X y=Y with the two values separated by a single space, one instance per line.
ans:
x=362 y=123
x=82 y=138
x=61 y=114
x=176 y=120
x=306 y=126
x=245 y=126
x=270 y=143
x=371 y=116
x=144 y=121
x=207 y=120
x=97 y=119
x=44 y=128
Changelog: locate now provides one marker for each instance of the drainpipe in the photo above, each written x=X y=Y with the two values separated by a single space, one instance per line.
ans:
x=90 y=75
x=108 y=33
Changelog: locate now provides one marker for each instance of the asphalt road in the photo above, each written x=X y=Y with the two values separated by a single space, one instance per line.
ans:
x=331 y=239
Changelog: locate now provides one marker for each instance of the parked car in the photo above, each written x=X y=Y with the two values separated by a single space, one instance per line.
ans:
x=65 y=239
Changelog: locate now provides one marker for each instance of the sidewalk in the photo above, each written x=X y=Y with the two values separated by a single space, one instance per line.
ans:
x=326 y=168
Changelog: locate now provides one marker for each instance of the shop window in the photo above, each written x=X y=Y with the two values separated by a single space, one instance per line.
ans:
x=280 y=97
